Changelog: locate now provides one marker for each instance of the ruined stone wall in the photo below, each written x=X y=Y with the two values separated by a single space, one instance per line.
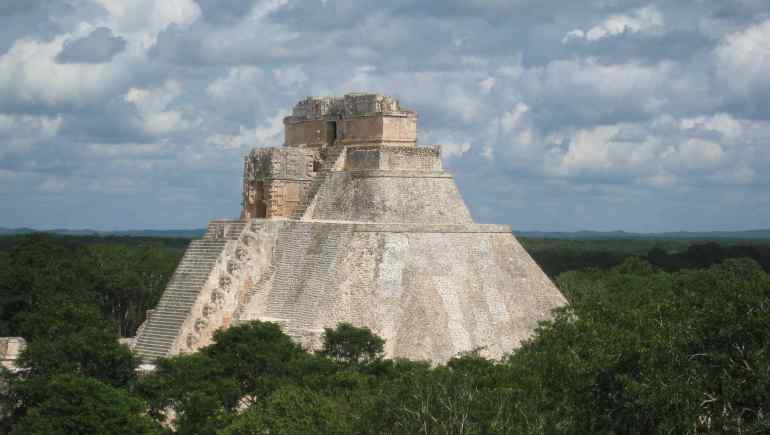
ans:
x=353 y=104
x=401 y=158
x=357 y=104
x=352 y=119
x=309 y=133
x=378 y=129
x=275 y=181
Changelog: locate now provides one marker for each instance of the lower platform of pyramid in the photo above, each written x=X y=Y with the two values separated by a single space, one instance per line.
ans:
x=396 y=251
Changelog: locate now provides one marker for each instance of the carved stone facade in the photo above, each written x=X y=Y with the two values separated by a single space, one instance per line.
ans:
x=355 y=119
x=351 y=221
x=275 y=180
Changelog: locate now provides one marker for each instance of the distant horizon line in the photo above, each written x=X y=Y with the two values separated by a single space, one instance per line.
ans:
x=756 y=232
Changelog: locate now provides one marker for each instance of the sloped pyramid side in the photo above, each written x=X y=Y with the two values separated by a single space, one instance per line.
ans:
x=394 y=251
x=397 y=251
x=432 y=291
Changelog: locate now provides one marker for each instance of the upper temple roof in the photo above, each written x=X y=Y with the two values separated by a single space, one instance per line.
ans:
x=351 y=105
x=352 y=120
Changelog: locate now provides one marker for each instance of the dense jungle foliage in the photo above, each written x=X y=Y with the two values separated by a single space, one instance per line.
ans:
x=661 y=337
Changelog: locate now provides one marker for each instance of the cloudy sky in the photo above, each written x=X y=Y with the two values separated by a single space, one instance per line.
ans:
x=554 y=114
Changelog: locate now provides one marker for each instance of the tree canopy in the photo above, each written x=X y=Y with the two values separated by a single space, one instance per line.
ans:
x=667 y=342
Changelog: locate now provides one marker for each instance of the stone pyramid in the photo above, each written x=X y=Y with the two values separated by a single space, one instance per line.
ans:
x=351 y=221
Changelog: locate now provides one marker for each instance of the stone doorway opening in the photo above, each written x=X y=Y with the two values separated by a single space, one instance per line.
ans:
x=260 y=207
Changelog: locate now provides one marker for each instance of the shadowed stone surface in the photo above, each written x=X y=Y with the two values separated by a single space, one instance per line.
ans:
x=379 y=237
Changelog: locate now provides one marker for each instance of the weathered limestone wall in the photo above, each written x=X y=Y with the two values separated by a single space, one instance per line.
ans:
x=390 y=196
x=309 y=133
x=240 y=266
x=402 y=158
x=384 y=129
x=431 y=291
x=352 y=119
x=432 y=295
x=275 y=181
x=346 y=106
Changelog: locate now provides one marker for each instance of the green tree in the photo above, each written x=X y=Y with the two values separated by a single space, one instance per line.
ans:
x=258 y=355
x=40 y=269
x=194 y=388
x=652 y=352
x=292 y=410
x=79 y=405
x=74 y=339
x=352 y=345
x=129 y=279
x=245 y=365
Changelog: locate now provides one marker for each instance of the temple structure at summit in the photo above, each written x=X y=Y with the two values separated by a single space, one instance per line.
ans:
x=351 y=221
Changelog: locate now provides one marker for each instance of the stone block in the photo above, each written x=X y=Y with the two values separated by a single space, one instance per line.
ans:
x=10 y=349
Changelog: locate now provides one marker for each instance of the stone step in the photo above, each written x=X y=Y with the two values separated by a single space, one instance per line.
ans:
x=330 y=161
x=175 y=298
x=152 y=352
x=201 y=253
x=182 y=291
x=157 y=344
x=158 y=324
x=172 y=315
x=167 y=331
x=160 y=338
x=208 y=242
x=154 y=343
x=161 y=330
x=177 y=294
x=175 y=308
x=150 y=357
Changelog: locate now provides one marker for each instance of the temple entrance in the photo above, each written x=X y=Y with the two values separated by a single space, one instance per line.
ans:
x=260 y=208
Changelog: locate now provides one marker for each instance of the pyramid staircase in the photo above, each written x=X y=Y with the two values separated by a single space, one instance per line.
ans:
x=301 y=290
x=333 y=154
x=157 y=337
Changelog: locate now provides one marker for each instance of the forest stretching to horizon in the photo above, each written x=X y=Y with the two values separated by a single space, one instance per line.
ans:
x=661 y=336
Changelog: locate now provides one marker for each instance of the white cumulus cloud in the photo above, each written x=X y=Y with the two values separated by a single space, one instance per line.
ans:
x=639 y=20
x=155 y=117
x=743 y=59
